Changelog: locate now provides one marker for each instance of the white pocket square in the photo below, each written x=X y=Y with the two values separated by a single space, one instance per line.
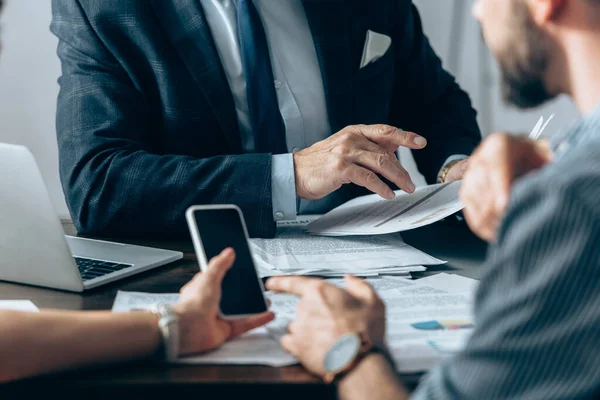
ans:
x=376 y=46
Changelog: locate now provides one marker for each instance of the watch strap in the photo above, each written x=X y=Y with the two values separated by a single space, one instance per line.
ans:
x=376 y=349
x=444 y=172
x=168 y=326
x=365 y=348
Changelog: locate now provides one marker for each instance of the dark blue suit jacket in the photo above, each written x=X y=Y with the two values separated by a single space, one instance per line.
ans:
x=146 y=121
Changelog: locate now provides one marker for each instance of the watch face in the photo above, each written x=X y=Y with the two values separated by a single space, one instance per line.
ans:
x=342 y=353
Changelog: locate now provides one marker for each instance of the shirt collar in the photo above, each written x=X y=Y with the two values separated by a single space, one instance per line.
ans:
x=587 y=128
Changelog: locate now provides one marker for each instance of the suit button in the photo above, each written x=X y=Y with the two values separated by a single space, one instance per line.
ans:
x=295 y=150
x=278 y=216
x=278 y=84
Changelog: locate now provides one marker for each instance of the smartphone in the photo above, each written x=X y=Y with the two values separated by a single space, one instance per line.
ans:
x=213 y=229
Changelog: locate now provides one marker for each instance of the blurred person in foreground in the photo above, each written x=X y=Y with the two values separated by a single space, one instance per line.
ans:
x=537 y=309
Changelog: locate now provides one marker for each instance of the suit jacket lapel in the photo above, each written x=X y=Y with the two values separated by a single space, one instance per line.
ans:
x=185 y=24
x=330 y=27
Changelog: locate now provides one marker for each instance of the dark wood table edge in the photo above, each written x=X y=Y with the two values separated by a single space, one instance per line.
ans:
x=84 y=382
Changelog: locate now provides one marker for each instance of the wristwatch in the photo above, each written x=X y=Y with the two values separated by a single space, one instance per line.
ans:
x=444 y=172
x=346 y=353
x=168 y=325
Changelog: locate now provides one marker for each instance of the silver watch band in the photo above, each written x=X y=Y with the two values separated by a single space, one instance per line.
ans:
x=168 y=325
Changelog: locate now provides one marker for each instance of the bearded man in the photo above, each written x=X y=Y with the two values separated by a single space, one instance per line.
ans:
x=537 y=310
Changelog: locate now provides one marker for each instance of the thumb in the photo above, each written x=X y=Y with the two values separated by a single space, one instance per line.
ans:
x=543 y=150
x=241 y=326
x=218 y=267
x=360 y=289
x=531 y=157
x=207 y=284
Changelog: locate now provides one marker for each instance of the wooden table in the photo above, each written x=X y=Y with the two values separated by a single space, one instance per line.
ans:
x=449 y=241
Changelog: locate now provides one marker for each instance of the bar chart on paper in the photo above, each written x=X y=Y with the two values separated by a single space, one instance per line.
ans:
x=442 y=325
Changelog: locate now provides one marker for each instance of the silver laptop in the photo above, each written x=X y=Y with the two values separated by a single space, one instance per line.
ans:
x=33 y=247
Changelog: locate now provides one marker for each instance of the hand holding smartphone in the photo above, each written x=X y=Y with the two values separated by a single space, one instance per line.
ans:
x=213 y=229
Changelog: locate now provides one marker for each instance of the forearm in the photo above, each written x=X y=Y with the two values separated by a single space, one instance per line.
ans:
x=131 y=161
x=36 y=343
x=137 y=193
x=373 y=378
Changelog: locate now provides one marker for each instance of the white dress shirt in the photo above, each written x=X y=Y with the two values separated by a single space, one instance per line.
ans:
x=298 y=83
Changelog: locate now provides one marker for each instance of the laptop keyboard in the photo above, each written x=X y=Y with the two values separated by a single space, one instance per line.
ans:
x=91 y=269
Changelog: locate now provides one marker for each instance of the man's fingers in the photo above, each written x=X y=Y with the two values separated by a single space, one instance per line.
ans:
x=241 y=326
x=368 y=179
x=543 y=150
x=473 y=223
x=289 y=344
x=297 y=285
x=293 y=327
x=480 y=199
x=482 y=231
x=386 y=164
x=389 y=135
x=360 y=289
x=218 y=267
x=500 y=179
x=457 y=172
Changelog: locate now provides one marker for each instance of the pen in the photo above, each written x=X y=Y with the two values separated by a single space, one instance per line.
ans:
x=539 y=128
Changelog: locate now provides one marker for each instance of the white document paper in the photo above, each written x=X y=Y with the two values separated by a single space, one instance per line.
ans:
x=403 y=272
x=134 y=301
x=425 y=323
x=451 y=283
x=295 y=249
x=256 y=347
x=400 y=272
x=380 y=284
x=372 y=215
x=18 y=305
x=302 y=221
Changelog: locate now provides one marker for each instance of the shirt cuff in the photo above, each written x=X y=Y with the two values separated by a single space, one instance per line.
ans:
x=456 y=157
x=283 y=187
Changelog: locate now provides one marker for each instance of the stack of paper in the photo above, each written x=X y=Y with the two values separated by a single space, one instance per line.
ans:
x=296 y=252
x=372 y=215
x=427 y=320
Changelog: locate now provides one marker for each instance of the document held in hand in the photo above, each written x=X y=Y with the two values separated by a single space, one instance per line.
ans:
x=372 y=215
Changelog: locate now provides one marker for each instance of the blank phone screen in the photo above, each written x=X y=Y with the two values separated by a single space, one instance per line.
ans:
x=241 y=290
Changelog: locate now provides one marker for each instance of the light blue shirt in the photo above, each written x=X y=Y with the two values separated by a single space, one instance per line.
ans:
x=298 y=83
x=537 y=312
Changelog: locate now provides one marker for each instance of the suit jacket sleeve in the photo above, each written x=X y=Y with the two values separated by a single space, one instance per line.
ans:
x=426 y=99
x=114 y=184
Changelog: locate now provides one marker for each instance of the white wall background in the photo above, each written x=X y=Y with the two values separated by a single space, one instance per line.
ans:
x=477 y=72
x=29 y=69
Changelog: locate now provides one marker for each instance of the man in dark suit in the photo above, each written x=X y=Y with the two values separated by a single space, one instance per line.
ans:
x=165 y=104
